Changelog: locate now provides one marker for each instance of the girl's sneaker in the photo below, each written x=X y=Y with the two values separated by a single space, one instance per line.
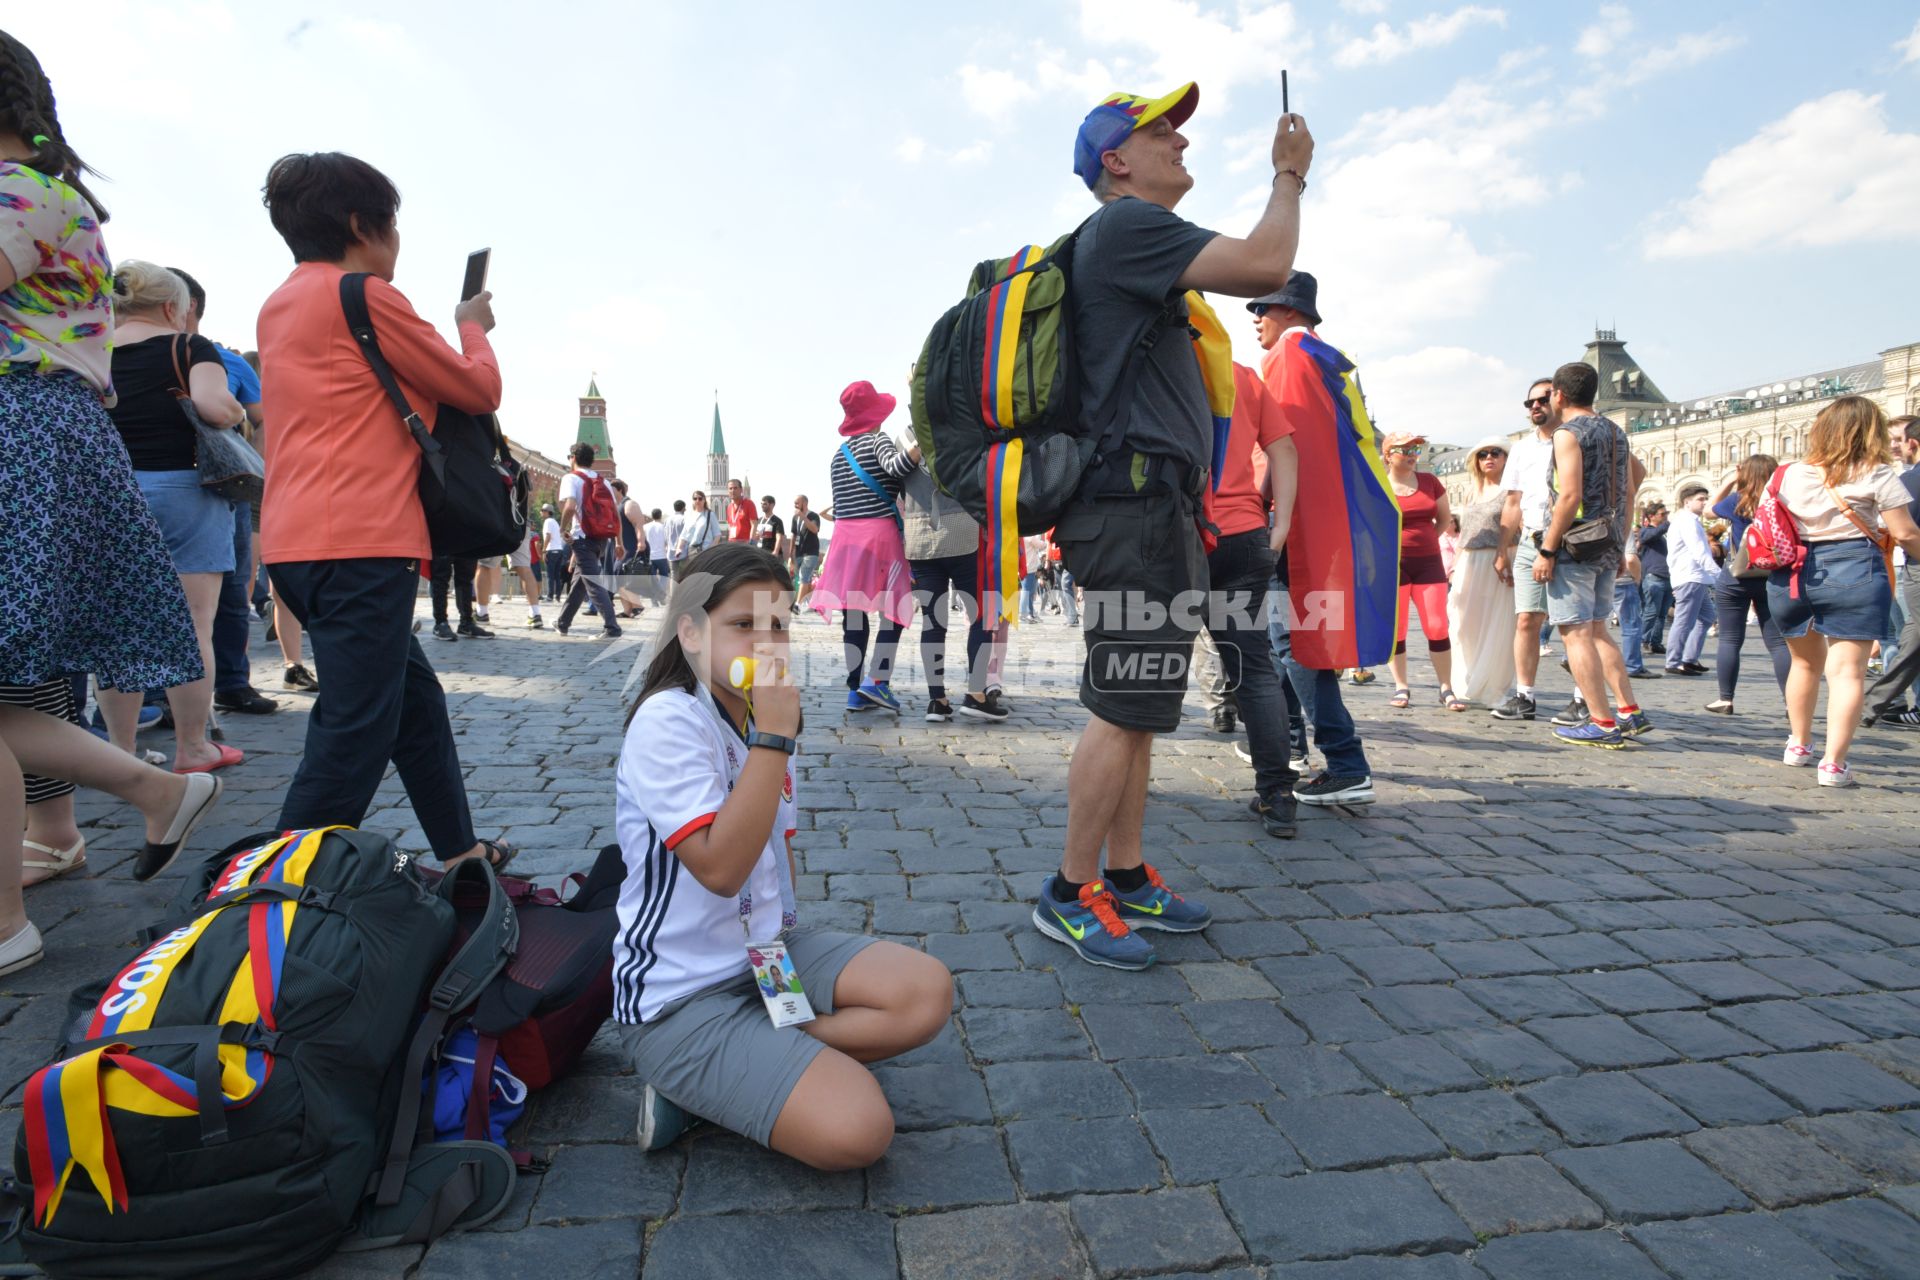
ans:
x=939 y=710
x=1835 y=775
x=661 y=1121
x=880 y=696
x=857 y=703
x=1797 y=755
x=1721 y=706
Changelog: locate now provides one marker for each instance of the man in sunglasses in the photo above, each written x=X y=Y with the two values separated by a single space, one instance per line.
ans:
x=1529 y=506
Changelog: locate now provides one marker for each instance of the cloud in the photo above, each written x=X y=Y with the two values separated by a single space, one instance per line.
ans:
x=992 y=92
x=1604 y=36
x=911 y=149
x=1222 y=49
x=1451 y=395
x=973 y=153
x=1364 y=6
x=1386 y=44
x=1830 y=172
x=1909 y=48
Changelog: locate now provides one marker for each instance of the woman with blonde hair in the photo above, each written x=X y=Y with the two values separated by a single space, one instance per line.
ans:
x=1849 y=508
x=1480 y=603
x=1734 y=595
x=154 y=361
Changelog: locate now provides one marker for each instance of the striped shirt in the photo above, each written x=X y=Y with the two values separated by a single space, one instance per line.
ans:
x=885 y=461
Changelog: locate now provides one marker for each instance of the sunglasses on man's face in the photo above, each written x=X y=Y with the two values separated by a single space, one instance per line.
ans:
x=1538 y=402
x=1405 y=450
x=1260 y=310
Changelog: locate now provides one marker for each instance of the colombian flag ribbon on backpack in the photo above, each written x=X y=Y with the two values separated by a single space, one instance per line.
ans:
x=66 y=1103
x=1343 y=549
x=1213 y=349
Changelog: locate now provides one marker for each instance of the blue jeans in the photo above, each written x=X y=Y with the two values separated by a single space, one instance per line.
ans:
x=233 y=619
x=1068 y=601
x=594 y=556
x=1319 y=693
x=1691 y=603
x=1656 y=597
x=1030 y=596
x=1626 y=603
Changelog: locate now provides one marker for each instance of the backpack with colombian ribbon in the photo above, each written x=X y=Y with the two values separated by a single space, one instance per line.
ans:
x=474 y=493
x=231 y=1103
x=535 y=1019
x=996 y=406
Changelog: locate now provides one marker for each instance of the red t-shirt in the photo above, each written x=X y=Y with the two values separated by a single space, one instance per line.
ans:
x=1239 y=503
x=742 y=516
x=1419 y=534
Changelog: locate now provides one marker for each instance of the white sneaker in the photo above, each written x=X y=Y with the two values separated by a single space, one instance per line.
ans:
x=21 y=950
x=1835 y=775
x=1241 y=749
x=1797 y=755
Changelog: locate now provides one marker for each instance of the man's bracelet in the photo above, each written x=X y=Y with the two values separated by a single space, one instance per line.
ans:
x=1296 y=175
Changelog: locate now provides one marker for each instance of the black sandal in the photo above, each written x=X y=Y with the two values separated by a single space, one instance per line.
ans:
x=499 y=853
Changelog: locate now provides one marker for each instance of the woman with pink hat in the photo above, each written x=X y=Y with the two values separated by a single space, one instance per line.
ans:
x=866 y=569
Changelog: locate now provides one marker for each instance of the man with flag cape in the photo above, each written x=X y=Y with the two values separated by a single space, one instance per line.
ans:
x=1340 y=575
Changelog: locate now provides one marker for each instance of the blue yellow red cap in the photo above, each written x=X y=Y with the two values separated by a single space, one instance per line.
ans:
x=1109 y=124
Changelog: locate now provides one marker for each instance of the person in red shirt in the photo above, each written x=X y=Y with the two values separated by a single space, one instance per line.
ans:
x=1424 y=511
x=342 y=531
x=1261 y=470
x=742 y=518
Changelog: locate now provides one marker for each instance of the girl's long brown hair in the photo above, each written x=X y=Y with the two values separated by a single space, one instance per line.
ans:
x=1849 y=435
x=711 y=577
x=1751 y=481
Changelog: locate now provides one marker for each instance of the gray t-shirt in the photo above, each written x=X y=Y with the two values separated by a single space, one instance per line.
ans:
x=1126 y=270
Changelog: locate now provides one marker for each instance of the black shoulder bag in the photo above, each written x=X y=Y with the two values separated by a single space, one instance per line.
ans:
x=473 y=492
x=227 y=464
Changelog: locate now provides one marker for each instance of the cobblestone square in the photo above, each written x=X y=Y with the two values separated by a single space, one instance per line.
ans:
x=1536 y=1012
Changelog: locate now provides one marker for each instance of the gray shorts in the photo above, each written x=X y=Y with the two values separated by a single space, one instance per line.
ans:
x=520 y=558
x=1581 y=592
x=718 y=1055
x=1528 y=596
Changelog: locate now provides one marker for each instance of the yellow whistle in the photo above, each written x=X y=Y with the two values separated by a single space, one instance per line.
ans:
x=740 y=674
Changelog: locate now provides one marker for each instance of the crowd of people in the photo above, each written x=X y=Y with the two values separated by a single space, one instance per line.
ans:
x=1254 y=510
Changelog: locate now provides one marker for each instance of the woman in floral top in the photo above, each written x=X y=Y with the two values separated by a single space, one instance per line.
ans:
x=72 y=510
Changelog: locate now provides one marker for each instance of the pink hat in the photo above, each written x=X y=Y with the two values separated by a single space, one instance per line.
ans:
x=865 y=408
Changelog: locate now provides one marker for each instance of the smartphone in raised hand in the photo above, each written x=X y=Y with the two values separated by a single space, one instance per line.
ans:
x=476 y=280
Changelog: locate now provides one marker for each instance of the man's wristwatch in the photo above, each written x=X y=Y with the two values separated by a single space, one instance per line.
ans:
x=773 y=740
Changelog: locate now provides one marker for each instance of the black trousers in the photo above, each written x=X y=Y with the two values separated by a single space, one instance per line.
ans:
x=1238 y=571
x=556 y=574
x=933 y=582
x=381 y=702
x=460 y=573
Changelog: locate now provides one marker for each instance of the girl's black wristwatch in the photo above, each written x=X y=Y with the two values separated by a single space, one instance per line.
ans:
x=773 y=740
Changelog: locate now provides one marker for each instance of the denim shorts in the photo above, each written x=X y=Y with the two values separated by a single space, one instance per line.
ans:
x=1528 y=596
x=1581 y=592
x=1844 y=593
x=197 y=523
x=804 y=571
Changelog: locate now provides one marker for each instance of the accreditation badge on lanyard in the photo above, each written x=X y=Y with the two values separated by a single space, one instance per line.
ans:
x=773 y=971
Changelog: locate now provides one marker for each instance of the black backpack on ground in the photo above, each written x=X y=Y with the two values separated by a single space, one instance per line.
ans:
x=474 y=493
x=242 y=1097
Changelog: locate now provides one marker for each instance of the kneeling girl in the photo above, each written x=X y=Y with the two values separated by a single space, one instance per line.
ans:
x=704 y=811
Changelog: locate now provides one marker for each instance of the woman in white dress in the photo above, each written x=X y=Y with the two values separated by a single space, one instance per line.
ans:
x=1480 y=602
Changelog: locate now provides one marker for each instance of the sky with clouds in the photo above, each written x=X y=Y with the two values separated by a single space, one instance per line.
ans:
x=775 y=200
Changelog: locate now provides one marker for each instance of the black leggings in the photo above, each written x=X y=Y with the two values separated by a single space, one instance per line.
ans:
x=853 y=630
x=1731 y=602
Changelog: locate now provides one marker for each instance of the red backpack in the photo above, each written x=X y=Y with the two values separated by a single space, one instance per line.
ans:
x=1773 y=541
x=598 y=519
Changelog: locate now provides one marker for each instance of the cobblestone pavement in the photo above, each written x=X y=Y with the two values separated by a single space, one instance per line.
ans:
x=1540 y=1012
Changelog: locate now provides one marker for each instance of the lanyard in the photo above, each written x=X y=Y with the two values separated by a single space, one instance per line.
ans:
x=783 y=872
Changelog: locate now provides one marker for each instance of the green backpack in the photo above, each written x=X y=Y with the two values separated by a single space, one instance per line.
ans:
x=996 y=406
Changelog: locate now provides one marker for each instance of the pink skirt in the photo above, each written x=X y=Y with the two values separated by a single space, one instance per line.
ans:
x=865 y=571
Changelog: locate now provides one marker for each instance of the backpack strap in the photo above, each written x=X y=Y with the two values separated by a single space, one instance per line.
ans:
x=865 y=477
x=486 y=952
x=353 y=301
